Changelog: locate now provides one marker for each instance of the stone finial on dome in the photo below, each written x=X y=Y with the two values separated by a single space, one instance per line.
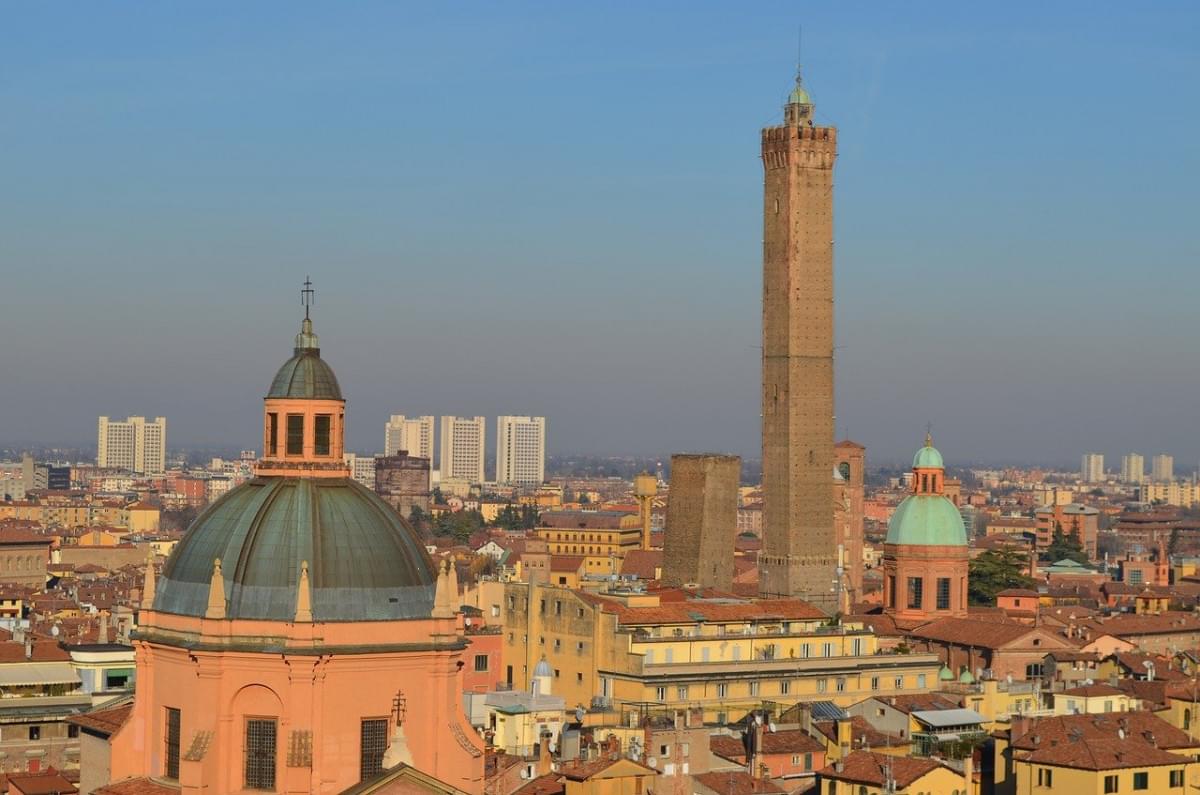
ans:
x=148 y=582
x=216 y=593
x=303 y=597
x=442 y=601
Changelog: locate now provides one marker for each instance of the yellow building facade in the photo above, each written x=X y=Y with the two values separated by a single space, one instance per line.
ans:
x=723 y=656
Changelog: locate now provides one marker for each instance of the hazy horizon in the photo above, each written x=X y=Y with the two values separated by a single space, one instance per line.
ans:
x=551 y=210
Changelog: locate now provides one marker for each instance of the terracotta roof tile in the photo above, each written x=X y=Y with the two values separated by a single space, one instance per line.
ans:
x=736 y=782
x=868 y=767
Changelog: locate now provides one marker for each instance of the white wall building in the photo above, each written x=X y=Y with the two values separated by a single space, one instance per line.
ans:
x=414 y=434
x=1162 y=469
x=362 y=468
x=1092 y=469
x=136 y=445
x=520 y=451
x=462 y=448
x=1133 y=468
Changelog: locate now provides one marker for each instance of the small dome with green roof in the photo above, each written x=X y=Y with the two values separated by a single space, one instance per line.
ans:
x=965 y=677
x=928 y=456
x=946 y=675
x=927 y=517
x=799 y=95
x=928 y=520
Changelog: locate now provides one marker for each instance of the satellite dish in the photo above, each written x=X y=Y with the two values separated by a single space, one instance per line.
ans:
x=652 y=761
x=771 y=726
x=54 y=630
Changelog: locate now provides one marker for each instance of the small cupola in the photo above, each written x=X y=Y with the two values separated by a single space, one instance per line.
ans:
x=304 y=415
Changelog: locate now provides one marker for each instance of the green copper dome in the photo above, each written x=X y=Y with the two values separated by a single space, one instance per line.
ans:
x=928 y=457
x=306 y=375
x=799 y=96
x=364 y=562
x=946 y=675
x=927 y=519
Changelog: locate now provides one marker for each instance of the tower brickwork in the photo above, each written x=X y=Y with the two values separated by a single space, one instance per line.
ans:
x=701 y=520
x=799 y=555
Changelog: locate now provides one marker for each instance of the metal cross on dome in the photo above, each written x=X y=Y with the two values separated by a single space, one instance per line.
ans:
x=306 y=295
x=399 y=707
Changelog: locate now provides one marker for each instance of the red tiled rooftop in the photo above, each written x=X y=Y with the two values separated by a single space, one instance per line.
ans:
x=868 y=767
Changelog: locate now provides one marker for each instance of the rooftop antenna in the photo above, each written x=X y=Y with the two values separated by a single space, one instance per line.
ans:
x=306 y=295
x=799 y=52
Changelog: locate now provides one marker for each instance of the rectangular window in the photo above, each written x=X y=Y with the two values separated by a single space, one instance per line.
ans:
x=808 y=761
x=35 y=732
x=295 y=434
x=874 y=682
x=943 y=593
x=660 y=694
x=321 y=433
x=841 y=684
x=1045 y=777
x=481 y=662
x=1141 y=780
x=372 y=743
x=1110 y=785
x=920 y=681
x=785 y=687
x=722 y=690
x=172 y=742
x=899 y=682
x=272 y=433
x=1176 y=778
x=822 y=685
x=260 y=747
x=754 y=688
x=915 y=586
x=681 y=693
x=891 y=581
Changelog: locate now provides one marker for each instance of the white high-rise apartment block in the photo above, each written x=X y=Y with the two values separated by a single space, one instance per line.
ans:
x=1162 y=468
x=462 y=448
x=1092 y=470
x=362 y=468
x=1133 y=468
x=136 y=445
x=520 y=451
x=413 y=434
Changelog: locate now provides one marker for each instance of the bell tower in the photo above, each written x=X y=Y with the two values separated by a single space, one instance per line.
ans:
x=800 y=555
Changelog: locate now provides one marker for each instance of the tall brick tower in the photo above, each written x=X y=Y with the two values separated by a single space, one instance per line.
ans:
x=799 y=556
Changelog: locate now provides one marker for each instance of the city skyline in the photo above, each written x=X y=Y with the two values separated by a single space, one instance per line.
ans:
x=932 y=191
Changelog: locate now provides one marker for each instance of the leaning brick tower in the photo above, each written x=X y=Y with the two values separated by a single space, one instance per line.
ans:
x=799 y=556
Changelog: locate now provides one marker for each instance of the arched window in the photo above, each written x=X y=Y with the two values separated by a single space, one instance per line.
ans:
x=925 y=484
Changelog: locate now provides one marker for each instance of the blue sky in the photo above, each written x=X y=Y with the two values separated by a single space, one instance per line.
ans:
x=554 y=209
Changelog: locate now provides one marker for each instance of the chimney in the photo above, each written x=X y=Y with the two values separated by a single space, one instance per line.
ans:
x=845 y=736
x=969 y=771
x=544 y=762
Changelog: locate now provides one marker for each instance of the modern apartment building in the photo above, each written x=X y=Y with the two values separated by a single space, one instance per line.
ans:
x=136 y=445
x=520 y=450
x=1092 y=469
x=1133 y=468
x=462 y=448
x=1162 y=468
x=411 y=434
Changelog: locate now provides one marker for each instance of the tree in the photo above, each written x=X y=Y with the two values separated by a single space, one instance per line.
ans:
x=993 y=571
x=1064 y=546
